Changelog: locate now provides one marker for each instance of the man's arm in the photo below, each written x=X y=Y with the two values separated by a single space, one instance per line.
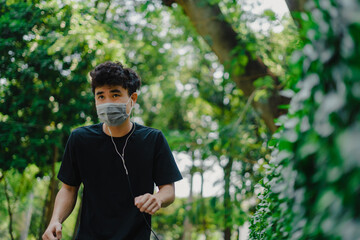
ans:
x=64 y=204
x=150 y=203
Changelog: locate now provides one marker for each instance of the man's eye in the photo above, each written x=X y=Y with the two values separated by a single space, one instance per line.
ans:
x=116 y=95
x=100 y=97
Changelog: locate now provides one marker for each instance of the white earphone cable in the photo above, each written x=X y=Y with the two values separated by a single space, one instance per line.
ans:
x=122 y=156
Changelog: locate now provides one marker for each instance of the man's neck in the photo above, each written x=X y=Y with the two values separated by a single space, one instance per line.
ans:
x=118 y=131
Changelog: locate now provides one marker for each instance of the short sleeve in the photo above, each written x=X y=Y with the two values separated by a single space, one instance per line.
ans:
x=165 y=170
x=69 y=170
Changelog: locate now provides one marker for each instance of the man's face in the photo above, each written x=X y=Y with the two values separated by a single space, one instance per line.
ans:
x=113 y=94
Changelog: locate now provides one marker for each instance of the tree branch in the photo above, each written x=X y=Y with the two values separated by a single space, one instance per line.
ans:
x=106 y=10
x=210 y=23
x=9 y=209
x=296 y=7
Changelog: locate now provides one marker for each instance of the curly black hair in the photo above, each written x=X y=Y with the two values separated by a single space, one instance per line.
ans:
x=112 y=74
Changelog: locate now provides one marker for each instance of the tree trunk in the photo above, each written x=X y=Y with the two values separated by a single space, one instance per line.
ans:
x=28 y=214
x=296 y=5
x=77 y=223
x=210 y=23
x=295 y=8
x=187 y=223
x=202 y=203
x=9 y=209
x=51 y=196
x=53 y=188
x=106 y=10
x=227 y=199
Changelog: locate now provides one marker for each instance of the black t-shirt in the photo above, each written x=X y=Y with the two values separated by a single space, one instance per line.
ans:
x=108 y=210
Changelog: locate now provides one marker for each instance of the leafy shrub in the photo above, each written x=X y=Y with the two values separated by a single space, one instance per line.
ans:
x=312 y=189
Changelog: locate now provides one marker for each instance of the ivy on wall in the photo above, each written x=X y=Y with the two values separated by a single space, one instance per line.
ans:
x=312 y=187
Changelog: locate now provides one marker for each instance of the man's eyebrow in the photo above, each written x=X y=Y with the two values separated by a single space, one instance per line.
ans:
x=99 y=93
x=115 y=90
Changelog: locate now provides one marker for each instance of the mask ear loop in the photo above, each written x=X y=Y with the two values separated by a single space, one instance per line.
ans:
x=131 y=114
x=132 y=105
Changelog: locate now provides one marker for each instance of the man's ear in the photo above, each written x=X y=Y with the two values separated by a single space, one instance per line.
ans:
x=134 y=97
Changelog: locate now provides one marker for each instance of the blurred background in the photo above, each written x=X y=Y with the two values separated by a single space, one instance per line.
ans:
x=258 y=103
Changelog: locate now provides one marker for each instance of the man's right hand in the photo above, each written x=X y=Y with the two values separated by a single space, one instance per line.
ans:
x=53 y=232
x=64 y=204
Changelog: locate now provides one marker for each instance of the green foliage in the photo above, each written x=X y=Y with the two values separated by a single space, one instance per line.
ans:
x=270 y=14
x=311 y=190
x=47 y=52
x=47 y=49
x=18 y=187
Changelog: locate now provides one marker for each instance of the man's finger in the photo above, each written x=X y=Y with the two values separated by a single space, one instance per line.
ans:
x=137 y=199
x=48 y=235
x=140 y=200
x=58 y=232
x=152 y=208
x=146 y=205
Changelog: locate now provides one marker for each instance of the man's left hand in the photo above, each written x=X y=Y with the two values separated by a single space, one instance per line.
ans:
x=148 y=203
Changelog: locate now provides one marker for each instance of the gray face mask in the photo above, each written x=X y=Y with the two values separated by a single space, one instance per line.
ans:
x=113 y=114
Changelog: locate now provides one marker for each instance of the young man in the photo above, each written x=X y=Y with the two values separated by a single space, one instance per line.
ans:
x=118 y=162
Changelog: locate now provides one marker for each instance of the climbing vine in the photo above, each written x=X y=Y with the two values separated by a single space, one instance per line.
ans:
x=312 y=188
